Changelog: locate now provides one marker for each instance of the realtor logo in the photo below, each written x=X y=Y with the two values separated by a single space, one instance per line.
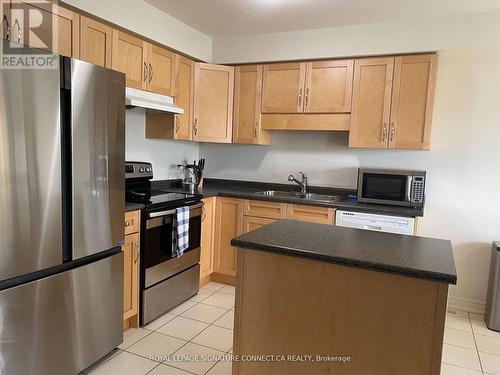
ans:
x=29 y=37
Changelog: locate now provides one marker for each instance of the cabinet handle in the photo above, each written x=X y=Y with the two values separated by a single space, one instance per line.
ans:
x=136 y=253
x=151 y=72
x=19 y=33
x=195 y=126
x=256 y=130
x=177 y=126
x=307 y=96
x=384 y=132
x=393 y=131
x=300 y=97
x=7 y=27
x=145 y=72
x=204 y=214
x=127 y=223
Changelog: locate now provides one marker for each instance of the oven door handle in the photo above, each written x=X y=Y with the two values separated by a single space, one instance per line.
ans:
x=152 y=215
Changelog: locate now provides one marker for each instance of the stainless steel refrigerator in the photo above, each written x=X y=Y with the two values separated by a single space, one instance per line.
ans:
x=61 y=217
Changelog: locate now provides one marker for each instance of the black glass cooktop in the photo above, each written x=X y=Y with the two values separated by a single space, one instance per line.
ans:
x=153 y=199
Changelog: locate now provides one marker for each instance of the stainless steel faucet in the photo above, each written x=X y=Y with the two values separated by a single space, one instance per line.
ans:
x=302 y=184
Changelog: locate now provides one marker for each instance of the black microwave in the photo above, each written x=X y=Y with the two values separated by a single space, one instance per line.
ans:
x=394 y=187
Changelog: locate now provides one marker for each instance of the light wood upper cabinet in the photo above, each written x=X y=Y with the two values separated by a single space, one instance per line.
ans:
x=371 y=102
x=213 y=103
x=412 y=101
x=247 y=106
x=207 y=238
x=62 y=36
x=161 y=72
x=329 y=86
x=95 y=42
x=130 y=57
x=183 y=97
x=392 y=102
x=283 y=88
x=228 y=225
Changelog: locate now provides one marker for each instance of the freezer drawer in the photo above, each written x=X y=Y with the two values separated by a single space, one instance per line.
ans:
x=64 y=323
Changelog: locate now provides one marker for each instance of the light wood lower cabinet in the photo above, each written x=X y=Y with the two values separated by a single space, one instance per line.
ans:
x=207 y=238
x=131 y=256
x=227 y=218
x=228 y=225
x=251 y=223
x=271 y=210
x=321 y=215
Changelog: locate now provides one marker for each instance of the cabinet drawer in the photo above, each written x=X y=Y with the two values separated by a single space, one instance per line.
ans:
x=270 y=210
x=322 y=215
x=132 y=222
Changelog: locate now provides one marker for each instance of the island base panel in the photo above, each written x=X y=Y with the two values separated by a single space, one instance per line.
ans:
x=388 y=324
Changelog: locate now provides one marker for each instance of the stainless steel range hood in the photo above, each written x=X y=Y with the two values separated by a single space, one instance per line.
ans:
x=151 y=101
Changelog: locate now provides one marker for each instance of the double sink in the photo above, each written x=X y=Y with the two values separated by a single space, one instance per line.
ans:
x=312 y=197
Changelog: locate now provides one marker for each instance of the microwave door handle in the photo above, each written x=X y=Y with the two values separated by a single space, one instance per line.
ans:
x=409 y=183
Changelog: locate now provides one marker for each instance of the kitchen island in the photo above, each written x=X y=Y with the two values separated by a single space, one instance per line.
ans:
x=355 y=301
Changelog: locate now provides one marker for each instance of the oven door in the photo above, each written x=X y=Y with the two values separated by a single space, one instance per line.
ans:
x=384 y=187
x=159 y=243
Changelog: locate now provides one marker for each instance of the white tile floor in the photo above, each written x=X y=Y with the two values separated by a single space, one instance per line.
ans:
x=204 y=326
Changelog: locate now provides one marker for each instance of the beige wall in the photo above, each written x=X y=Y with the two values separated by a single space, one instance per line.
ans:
x=144 y=19
x=163 y=154
x=422 y=34
x=463 y=199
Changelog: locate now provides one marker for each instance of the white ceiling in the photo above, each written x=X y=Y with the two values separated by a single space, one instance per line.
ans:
x=244 y=17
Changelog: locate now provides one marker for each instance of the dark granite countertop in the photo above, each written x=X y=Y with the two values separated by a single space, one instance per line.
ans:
x=419 y=257
x=133 y=206
x=248 y=190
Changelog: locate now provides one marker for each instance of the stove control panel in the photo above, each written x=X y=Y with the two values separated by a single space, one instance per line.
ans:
x=138 y=169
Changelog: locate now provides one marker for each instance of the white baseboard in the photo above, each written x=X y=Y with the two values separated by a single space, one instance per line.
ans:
x=464 y=304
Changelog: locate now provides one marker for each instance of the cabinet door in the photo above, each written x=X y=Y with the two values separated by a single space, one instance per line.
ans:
x=161 y=70
x=247 y=104
x=283 y=88
x=130 y=275
x=62 y=36
x=322 y=215
x=207 y=238
x=371 y=102
x=329 y=86
x=412 y=101
x=251 y=223
x=130 y=57
x=95 y=42
x=213 y=103
x=229 y=214
x=183 y=97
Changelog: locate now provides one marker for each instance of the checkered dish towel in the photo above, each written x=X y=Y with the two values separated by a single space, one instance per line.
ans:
x=181 y=224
